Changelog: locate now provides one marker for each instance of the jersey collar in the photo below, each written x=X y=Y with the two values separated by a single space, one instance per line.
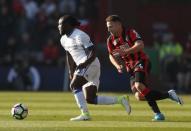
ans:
x=68 y=34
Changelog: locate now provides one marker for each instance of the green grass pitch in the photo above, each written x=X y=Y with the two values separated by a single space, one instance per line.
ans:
x=51 y=111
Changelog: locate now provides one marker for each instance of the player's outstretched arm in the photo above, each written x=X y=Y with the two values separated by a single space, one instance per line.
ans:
x=71 y=64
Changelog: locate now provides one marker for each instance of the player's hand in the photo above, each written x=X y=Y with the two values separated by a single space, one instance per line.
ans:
x=70 y=76
x=81 y=66
x=122 y=52
x=120 y=69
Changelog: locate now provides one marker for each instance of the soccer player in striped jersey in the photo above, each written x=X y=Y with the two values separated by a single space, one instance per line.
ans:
x=84 y=68
x=125 y=48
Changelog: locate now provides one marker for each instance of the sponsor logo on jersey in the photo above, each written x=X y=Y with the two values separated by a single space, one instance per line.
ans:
x=124 y=46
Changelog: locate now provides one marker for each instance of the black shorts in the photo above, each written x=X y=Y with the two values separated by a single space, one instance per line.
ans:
x=140 y=73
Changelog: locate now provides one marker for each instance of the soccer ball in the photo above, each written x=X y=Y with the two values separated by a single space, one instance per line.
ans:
x=19 y=111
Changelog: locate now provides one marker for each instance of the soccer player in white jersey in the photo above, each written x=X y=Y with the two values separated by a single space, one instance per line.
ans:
x=84 y=68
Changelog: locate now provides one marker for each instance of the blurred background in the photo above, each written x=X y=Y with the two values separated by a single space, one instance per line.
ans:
x=32 y=59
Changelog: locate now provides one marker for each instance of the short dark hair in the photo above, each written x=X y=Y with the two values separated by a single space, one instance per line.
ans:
x=114 y=18
x=70 y=20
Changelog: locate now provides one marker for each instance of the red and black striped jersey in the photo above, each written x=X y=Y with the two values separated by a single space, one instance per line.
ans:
x=127 y=40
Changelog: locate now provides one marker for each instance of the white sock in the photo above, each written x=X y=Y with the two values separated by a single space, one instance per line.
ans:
x=81 y=102
x=106 y=100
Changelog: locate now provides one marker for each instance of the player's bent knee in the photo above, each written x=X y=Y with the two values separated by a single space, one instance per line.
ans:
x=90 y=94
x=77 y=82
x=91 y=101
x=74 y=87
x=139 y=86
x=139 y=96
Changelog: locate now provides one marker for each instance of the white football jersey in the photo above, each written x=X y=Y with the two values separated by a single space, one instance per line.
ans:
x=76 y=44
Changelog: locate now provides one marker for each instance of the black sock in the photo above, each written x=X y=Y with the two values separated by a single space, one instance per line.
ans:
x=156 y=95
x=154 y=106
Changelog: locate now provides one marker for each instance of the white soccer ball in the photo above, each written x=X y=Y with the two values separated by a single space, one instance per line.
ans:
x=19 y=111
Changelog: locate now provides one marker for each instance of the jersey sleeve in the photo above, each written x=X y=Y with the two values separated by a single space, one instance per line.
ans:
x=134 y=35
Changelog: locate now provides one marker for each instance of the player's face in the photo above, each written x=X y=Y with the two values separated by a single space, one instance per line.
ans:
x=62 y=27
x=114 y=27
